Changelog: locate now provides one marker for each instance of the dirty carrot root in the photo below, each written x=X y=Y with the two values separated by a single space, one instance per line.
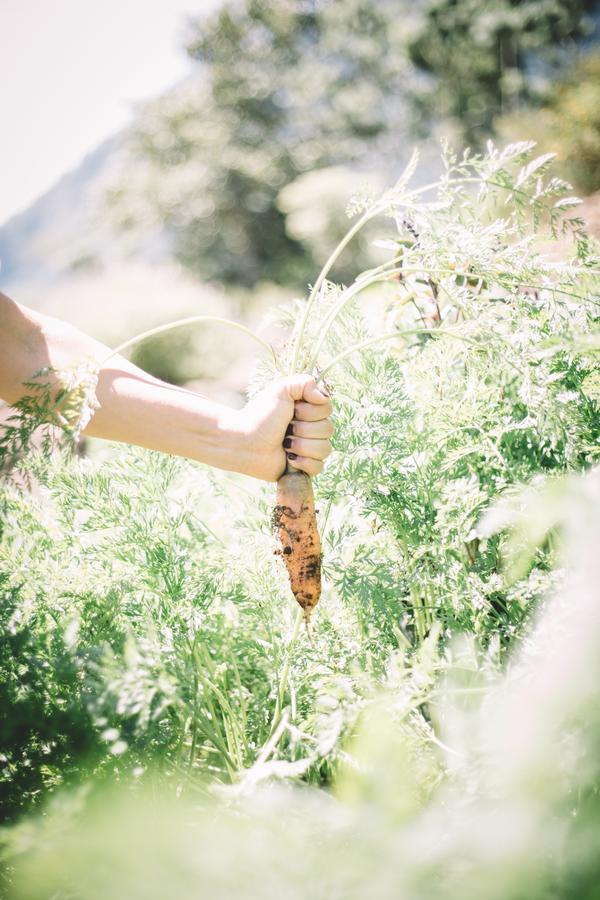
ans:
x=295 y=522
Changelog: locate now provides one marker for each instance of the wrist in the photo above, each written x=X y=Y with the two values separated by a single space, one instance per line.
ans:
x=232 y=440
x=219 y=437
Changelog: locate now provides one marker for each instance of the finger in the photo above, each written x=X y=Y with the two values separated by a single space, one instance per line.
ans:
x=308 y=412
x=312 y=449
x=302 y=387
x=310 y=466
x=314 y=394
x=321 y=429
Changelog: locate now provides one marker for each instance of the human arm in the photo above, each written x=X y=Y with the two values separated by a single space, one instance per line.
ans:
x=138 y=409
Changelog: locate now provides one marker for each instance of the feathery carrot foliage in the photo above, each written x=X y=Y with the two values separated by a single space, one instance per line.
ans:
x=148 y=629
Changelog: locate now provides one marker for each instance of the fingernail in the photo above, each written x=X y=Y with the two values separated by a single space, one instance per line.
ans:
x=289 y=429
x=292 y=456
x=287 y=443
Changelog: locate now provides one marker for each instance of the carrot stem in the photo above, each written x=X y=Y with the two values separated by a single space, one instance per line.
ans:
x=346 y=296
x=390 y=335
x=190 y=320
x=283 y=681
x=366 y=217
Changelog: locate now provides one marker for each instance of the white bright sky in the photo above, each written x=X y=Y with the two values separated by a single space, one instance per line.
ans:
x=71 y=72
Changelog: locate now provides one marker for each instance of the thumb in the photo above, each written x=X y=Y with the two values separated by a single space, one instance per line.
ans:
x=303 y=387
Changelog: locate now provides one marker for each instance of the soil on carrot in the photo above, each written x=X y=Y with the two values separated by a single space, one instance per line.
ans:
x=298 y=549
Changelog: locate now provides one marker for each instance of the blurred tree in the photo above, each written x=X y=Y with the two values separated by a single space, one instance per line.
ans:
x=281 y=89
x=568 y=124
x=285 y=88
x=482 y=55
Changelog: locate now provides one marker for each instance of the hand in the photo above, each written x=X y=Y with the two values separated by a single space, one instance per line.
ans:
x=293 y=409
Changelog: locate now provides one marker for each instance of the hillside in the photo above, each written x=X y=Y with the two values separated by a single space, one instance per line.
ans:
x=43 y=242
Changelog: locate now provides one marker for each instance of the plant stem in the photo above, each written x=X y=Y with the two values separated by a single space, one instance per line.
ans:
x=557 y=290
x=207 y=529
x=434 y=332
x=467 y=180
x=366 y=217
x=285 y=674
x=346 y=296
x=271 y=744
x=160 y=329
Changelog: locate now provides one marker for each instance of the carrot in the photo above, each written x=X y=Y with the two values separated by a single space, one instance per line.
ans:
x=295 y=522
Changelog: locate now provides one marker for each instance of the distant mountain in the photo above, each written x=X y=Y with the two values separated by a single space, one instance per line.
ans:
x=42 y=243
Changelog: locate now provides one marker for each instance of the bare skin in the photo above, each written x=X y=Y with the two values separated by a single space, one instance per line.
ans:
x=136 y=408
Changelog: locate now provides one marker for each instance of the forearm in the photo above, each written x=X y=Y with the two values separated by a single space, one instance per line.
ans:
x=134 y=406
x=138 y=409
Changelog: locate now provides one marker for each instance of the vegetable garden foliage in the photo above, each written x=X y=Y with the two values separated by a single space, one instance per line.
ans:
x=517 y=816
x=148 y=628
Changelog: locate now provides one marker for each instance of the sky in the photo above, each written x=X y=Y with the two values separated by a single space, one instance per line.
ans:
x=71 y=73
